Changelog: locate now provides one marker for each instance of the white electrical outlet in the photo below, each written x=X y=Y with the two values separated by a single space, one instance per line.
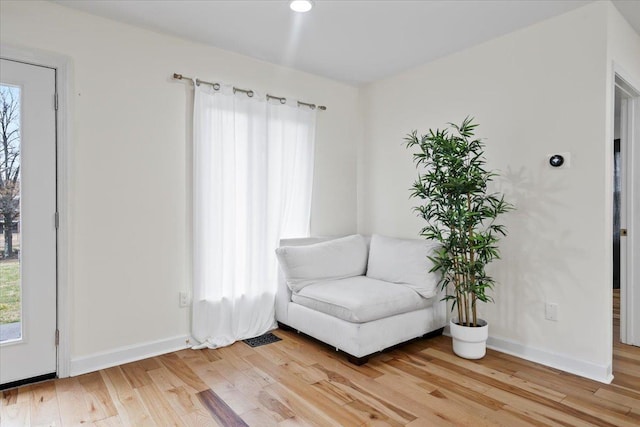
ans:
x=184 y=299
x=551 y=311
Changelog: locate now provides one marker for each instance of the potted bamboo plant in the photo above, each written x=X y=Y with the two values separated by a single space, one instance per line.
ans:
x=461 y=215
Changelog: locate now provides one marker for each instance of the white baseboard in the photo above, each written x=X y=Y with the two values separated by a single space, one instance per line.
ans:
x=132 y=353
x=600 y=373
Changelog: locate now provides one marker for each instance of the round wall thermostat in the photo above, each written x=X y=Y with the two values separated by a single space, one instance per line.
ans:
x=556 y=160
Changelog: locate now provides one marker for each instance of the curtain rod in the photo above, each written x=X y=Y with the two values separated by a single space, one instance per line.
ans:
x=248 y=92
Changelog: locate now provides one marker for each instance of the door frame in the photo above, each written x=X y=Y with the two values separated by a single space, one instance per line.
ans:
x=62 y=67
x=630 y=246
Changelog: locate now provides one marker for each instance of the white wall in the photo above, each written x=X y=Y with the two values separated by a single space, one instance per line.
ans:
x=534 y=92
x=129 y=200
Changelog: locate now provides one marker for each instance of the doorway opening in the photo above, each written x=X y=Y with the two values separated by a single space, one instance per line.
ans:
x=626 y=226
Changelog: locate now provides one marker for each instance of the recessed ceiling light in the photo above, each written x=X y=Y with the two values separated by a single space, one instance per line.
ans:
x=301 y=5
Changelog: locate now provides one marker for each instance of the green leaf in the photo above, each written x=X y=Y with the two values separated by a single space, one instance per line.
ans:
x=458 y=211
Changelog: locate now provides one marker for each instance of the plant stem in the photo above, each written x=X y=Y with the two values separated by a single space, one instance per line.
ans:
x=466 y=308
x=471 y=265
x=473 y=310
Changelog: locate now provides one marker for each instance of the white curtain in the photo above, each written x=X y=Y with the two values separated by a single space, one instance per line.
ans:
x=253 y=174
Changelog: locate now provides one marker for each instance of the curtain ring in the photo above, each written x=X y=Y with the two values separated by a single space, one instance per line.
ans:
x=283 y=101
x=250 y=94
x=216 y=86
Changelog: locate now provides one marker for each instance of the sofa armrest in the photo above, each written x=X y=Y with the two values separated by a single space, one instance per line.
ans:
x=283 y=293
x=283 y=298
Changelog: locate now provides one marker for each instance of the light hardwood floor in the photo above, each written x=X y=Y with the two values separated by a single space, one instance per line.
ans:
x=299 y=382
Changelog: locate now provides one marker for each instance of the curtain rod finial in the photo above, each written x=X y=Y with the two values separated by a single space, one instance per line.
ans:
x=177 y=76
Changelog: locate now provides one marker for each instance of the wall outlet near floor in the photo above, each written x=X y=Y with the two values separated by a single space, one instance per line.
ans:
x=184 y=299
x=551 y=311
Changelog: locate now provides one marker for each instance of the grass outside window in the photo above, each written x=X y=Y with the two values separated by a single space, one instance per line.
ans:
x=9 y=291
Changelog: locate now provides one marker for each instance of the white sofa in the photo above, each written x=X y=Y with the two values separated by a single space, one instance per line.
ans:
x=358 y=294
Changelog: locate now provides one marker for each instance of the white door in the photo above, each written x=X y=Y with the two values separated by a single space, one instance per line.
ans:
x=27 y=218
x=629 y=212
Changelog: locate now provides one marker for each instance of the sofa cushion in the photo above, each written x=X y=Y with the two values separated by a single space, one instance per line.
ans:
x=403 y=261
x=330 y=260
x=360 y=299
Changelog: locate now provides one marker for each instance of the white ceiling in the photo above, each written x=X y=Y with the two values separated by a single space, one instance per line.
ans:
x=355 y=42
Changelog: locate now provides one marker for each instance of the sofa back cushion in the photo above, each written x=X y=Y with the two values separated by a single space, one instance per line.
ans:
x=330 y=260
x=403 y=261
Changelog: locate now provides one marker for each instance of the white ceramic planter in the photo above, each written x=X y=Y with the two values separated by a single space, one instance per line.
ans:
x=468 y=342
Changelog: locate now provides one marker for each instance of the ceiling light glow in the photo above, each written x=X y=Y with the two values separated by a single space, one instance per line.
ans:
x=301 y=5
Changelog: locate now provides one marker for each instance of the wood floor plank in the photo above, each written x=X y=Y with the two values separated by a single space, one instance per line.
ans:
x=415 y=388
x=200 y=418
x=209 y=374
x=165 y=379
x=157 y=405
x=182 y=400
x=97 y=396
x=257 y=417
x=130 y=408
x=606 y=394
x=298 y=386
x=342 y=378
x=235 y=354
x=273 y=354
x=251 y=388
x=220 y=410
x=625 y=380
x=628 y=366
x=371 y=415
x=338 y=395
x=149 y=364
x=391 y=410
x=626 y=353
x=15 y=415
x=79 y=404
x=274 y=406
x=548 y=415
x=517 y=418
x=237 y=401
x=304 y=409
x=308 y=374
x=493 y=377
x=25 y=395
x=10 y=397
x=441 y=383
x=294 y=422
x=531 y=416
x=259 y=376
x=599 y=412
x=395 y=400
x=493 y=414
x=178 y=367
x=592 y=401
x=558 y=382
x=114 y=421
x=136 y=374
x=430 y=422
x=44 y=404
